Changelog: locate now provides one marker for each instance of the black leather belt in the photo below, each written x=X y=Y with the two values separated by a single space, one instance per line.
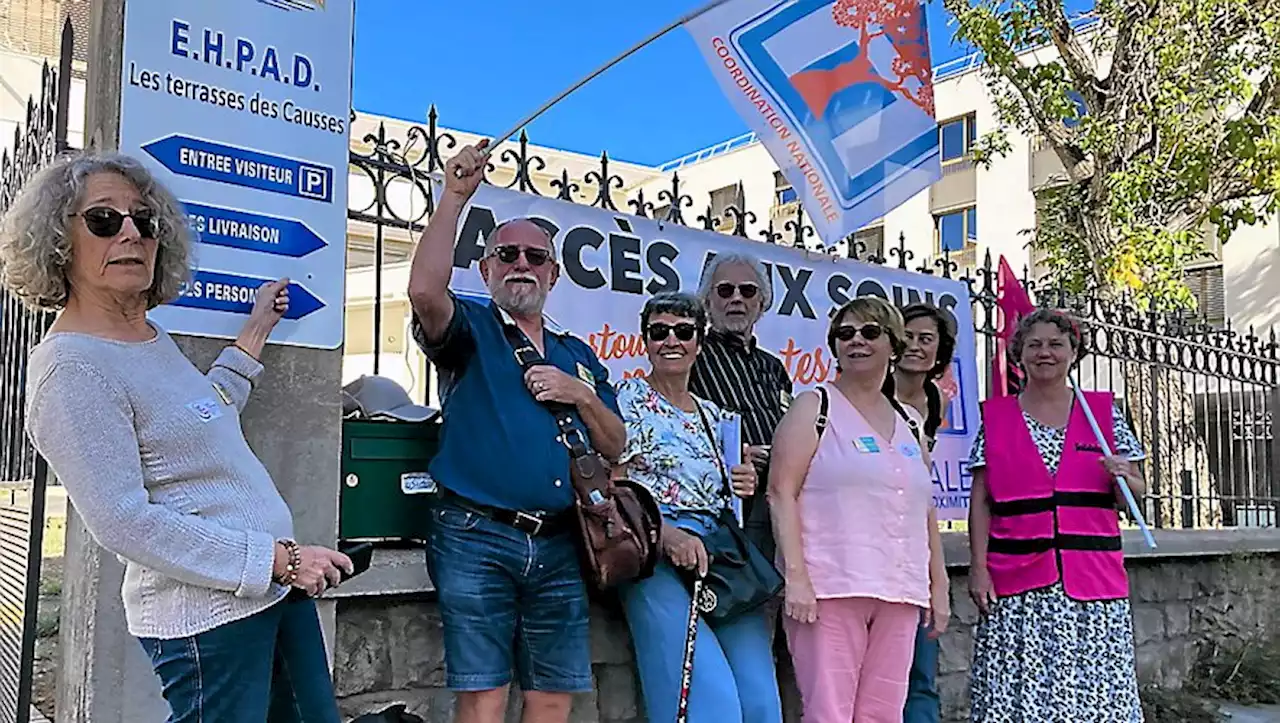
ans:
x=534 y=524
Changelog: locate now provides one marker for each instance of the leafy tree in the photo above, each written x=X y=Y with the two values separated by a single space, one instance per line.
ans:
x=1165 y=115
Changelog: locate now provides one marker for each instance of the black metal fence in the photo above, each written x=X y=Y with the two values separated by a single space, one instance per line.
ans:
x=23 y=473
x=1201 y=398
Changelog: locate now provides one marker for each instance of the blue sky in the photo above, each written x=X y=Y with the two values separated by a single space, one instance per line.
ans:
x=485 y=64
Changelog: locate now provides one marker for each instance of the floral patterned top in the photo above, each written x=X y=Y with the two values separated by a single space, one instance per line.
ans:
x=669 y=452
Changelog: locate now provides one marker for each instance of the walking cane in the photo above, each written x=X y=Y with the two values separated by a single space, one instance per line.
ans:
x=690 y=637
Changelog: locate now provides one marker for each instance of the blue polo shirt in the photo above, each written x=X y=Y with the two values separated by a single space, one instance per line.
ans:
x=497 y=443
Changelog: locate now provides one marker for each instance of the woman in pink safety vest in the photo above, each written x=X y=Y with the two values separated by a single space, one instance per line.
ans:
x=851 y=497
x=1054 y=643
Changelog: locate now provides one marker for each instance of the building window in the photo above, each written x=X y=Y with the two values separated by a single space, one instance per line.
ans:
x=723 y=198
x=956 y=230
x=783 y=193
x=1206 y=286
x=1078 y=101
x=957 y=136
x=872 y=240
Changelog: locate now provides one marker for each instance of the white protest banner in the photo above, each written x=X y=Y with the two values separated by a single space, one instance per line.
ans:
x=612 y=262
x=241 y=108
x=840 y=92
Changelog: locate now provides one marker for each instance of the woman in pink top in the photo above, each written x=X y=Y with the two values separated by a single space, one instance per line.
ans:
x=851 y=497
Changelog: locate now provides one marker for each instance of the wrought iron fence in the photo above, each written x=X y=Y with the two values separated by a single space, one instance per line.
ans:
x=1201 y=398
x=23 y=473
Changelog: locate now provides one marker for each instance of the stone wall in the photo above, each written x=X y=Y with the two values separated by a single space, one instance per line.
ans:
x=388 y=649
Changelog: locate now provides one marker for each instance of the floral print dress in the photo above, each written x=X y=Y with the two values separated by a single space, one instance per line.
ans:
x=668 y=450
x=1042 y=656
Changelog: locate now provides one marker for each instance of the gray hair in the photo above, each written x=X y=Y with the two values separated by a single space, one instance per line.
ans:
x=35 y=242
x=491 y=240
x=733 y=259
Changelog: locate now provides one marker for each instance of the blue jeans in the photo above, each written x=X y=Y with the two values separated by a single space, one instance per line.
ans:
x=733 y=674
x=270 y=666
x=922 y=687
x=508 y=600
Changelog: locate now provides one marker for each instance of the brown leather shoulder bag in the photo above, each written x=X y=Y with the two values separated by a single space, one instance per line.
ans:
x=619 y=523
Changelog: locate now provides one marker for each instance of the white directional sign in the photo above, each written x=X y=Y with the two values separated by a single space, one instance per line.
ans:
x=242 y=108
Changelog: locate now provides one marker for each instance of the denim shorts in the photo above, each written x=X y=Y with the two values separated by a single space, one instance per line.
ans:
x=508 y=600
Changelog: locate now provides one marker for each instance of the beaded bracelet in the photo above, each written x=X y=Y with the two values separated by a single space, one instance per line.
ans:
x=294 y=563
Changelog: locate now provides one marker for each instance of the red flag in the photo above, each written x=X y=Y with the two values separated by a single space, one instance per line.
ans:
x=1012 y=303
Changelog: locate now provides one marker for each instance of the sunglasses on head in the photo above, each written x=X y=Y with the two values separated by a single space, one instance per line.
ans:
x=870 y=332
x=106 y=222
x=685 y=331
x=535 y=256
x=726 y=289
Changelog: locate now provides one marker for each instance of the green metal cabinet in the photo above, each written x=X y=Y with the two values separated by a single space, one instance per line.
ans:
x=375 y=456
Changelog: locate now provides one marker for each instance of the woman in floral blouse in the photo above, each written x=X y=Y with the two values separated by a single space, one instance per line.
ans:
x=674 y=448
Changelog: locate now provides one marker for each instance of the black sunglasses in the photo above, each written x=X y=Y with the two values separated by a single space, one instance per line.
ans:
x=870 y=332
x=726 y=289
x=106 y=222
x=535 y=256
x=684 y=331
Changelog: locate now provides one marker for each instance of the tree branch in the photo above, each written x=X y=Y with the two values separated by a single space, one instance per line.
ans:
x=1080 y=65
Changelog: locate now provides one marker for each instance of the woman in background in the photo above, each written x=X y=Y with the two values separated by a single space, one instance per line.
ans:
x=930 y=345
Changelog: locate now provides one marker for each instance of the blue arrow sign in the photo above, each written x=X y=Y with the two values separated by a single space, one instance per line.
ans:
x=251 y=231
x=235 y=294
x=242 y=167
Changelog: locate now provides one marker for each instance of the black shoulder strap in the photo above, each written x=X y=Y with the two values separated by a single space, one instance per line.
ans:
x=528 y=356
x=824 y=406
x=706 y=426
x=897 y=406
x=934 y=398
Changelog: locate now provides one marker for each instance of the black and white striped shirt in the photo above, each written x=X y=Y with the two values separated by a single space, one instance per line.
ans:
x=741 y=377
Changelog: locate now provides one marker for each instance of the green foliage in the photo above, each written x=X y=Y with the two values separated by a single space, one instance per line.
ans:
x=1179 y=139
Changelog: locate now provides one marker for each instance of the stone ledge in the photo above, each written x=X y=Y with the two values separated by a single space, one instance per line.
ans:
x=403 y=570
x=393 y=571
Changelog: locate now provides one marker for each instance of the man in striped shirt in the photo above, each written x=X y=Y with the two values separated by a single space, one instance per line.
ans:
x=739 y=376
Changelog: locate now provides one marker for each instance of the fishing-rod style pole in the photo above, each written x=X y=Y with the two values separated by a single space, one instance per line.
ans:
x=1106 y=450
x=598 y=71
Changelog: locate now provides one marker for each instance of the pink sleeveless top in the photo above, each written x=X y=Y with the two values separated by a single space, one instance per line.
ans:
x=864 y=511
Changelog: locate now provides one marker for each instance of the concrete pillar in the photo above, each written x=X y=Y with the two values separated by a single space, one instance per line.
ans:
x=293 y=422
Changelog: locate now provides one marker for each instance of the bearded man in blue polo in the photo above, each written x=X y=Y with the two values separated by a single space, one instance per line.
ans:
x=501 y=550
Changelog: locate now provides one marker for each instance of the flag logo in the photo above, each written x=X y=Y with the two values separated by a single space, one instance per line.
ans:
x=840 y=91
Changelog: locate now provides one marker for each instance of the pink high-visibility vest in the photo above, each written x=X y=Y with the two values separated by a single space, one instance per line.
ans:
x=1048 y=528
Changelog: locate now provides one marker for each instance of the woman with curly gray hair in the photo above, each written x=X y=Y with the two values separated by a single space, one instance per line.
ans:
x=151 y=451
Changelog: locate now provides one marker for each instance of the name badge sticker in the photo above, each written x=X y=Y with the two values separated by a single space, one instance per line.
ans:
x=867 y=445
x=585 y=374
x=206 y=410
x=910 y=450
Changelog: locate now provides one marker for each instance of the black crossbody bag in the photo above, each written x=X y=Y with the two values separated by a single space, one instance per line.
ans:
x=739 y=577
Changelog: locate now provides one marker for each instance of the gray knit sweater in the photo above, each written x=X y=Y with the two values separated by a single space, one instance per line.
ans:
x=153 y=458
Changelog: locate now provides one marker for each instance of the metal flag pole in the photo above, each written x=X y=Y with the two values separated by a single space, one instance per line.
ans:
x=623 y=56
x=1106 y=450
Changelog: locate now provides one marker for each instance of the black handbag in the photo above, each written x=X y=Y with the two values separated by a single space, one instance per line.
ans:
x=740 y=578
